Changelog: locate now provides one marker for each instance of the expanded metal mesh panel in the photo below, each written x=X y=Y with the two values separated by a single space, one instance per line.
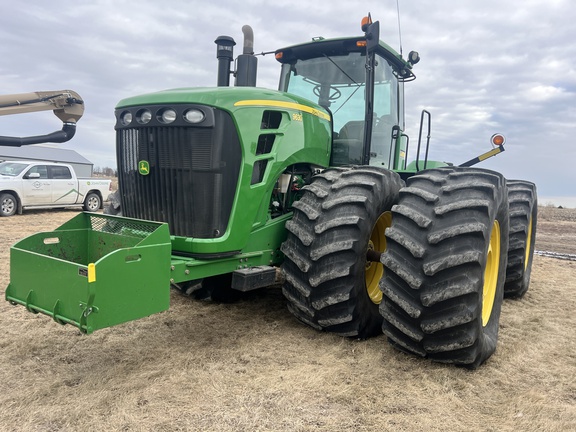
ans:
x=117 y=226
x=192 y=178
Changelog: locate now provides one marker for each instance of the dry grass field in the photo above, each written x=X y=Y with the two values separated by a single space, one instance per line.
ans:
x=251 y=366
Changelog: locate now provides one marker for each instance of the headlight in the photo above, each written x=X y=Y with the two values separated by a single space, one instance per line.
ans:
x=126 y=118
x=194 y=116
x=167 y=116
x=143 y=116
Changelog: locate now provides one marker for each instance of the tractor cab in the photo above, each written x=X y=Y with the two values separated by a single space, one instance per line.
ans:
x=362 y=89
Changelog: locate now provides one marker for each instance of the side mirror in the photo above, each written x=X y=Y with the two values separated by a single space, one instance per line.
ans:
x=33 y=175
x=372 y=36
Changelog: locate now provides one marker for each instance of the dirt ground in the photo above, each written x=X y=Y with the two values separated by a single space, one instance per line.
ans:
x=251 y=366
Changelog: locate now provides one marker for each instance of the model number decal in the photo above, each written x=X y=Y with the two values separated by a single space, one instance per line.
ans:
x=284 y=104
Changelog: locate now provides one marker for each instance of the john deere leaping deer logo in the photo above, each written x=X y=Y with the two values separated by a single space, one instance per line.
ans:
x=143 y=167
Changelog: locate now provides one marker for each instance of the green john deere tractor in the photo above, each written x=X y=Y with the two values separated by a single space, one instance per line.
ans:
x=220 y=186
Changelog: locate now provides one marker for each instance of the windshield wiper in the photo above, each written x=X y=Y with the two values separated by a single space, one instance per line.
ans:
x=341 y=70
x=358 y=85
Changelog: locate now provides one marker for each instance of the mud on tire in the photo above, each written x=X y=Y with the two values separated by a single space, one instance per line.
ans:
x=325 y=267
x=445 y=265
x=113 y=207
x=523 y=204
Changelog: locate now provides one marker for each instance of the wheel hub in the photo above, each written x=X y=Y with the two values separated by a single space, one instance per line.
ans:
x=528 y=244
x=7 y=206
x=376 y=246
x=491 y=273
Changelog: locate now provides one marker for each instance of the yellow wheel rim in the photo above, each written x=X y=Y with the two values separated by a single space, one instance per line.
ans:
x=375 y=270
x=528 y=244
x=491 y=274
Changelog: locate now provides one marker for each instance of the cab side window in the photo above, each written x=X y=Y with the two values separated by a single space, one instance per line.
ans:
x=60 y=173
x=38 y=169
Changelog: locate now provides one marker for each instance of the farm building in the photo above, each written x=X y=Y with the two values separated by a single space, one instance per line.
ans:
x=82 y=166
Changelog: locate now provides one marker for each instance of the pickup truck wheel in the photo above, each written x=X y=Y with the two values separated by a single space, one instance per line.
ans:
x=92 y=202
x=8 y=204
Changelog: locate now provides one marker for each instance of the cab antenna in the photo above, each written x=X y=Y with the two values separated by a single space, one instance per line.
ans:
x=399 y=30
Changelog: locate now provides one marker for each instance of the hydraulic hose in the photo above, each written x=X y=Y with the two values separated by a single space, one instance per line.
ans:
x=66 y=134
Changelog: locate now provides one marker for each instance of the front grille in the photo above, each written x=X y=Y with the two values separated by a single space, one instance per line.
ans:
x=192 y=175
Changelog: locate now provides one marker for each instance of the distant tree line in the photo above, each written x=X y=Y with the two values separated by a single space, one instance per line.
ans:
x=105 y=172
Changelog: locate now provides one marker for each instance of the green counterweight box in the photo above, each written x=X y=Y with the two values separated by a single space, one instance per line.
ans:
x=95 y=271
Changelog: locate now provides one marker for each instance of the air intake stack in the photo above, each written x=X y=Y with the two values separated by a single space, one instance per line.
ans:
x=225 y=55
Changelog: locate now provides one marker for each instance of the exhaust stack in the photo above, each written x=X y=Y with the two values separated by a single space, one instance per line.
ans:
x=247 y=65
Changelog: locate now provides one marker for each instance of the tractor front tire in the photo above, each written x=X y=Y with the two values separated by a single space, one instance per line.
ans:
x=523 y=203
x=330 y=284
x=445 y=265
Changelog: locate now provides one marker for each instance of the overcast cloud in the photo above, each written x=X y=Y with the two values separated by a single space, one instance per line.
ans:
x=487 y=66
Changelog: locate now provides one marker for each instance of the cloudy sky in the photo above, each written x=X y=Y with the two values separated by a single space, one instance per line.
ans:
x=487 y=66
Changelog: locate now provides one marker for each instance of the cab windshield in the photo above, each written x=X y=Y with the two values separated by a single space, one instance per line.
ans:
x=338 y=83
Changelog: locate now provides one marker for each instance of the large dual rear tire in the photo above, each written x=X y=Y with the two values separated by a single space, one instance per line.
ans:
x=523 y=204
x=445 y=265
x=330 y=284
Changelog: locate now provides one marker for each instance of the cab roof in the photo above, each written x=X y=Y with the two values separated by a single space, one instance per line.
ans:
x=320 y=47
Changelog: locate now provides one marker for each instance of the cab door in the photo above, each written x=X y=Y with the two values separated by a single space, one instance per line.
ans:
x=36 y=186
x=64 y=187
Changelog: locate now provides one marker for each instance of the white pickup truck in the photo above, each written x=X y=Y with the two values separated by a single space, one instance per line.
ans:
x=27 y=185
